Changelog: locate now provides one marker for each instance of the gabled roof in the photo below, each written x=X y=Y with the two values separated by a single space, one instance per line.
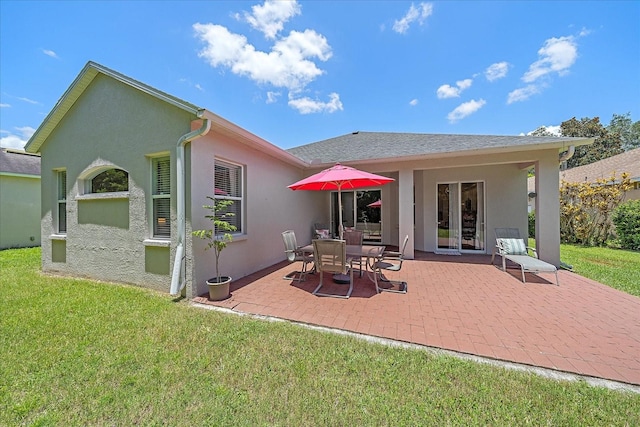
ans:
x=19 y=163
x=628 y=161
x=84 y=79
x=385 y=146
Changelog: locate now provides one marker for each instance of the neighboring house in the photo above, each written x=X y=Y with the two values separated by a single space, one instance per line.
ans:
x=127 y=169
x=19 y=199
x=628 y=162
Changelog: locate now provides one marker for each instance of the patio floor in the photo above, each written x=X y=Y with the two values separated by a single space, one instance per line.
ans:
x=465 y=304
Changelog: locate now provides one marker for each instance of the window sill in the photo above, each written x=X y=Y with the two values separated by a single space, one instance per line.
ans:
x=58 y=237
x=160 y=243
x=103 y=196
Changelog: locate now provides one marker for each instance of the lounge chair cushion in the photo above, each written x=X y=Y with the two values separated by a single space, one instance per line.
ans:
x=323 y=234
x=513 y=246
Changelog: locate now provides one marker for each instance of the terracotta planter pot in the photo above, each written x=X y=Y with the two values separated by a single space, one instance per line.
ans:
x=219 y=290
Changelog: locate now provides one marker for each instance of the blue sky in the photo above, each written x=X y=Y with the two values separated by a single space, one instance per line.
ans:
x=299 y=72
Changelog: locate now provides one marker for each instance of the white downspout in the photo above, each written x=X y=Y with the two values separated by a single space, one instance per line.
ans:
x=567 y=154
x=178 y=276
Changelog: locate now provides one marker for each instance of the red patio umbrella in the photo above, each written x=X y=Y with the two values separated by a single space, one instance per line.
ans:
x=376 y=204
x=340 y=177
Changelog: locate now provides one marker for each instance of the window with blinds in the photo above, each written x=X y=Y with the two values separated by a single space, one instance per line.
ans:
x=62 y=202
x=228 y=185
x=161 y=189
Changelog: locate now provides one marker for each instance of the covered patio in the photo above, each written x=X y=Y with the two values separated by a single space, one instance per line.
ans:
x=467 y=305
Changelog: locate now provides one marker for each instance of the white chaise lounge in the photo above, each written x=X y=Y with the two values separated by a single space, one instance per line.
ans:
x=515 y=250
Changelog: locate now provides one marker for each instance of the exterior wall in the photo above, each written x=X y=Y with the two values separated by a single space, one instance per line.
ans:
x=505 y=202
x=270 y=208
x=109 y=236
x=19 y=211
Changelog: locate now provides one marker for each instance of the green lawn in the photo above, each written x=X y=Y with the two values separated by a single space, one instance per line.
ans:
x=76 y=352
x=613 y=267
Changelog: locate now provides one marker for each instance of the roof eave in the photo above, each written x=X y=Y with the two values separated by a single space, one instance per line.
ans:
x=250 y=139
x=559 y=145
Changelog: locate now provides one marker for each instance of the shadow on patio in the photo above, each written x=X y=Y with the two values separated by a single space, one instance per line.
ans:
x=466 y=304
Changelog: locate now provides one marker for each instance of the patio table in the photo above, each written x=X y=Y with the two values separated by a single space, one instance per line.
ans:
x=355 y=251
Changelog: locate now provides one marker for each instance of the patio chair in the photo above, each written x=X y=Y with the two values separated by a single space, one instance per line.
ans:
x=504 y=233
x=295 y=254
x=389 y=261
x=354 y=237
x=331 y=257
x=516 y=251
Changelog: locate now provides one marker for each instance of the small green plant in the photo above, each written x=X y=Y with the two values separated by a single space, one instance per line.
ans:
x=626 y=217
x=218 y=236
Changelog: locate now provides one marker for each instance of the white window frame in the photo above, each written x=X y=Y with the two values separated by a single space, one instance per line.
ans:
x=157 y=195
x=61 y=202
x=235 y=191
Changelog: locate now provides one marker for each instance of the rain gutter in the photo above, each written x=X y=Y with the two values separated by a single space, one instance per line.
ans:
x=178 y=276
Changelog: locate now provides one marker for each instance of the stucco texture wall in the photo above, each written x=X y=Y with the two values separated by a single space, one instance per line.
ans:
x=270 y=208
x=112 y=125
x=19 y=211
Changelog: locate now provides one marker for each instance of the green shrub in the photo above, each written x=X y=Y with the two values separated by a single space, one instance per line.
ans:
x=626 y=218
x=532 y=224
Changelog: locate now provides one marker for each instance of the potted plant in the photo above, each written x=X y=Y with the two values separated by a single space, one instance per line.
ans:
x=217 y=238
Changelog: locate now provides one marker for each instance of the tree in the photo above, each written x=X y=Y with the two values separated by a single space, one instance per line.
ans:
x=586 y=209
x=606 y=143
x=629 y=132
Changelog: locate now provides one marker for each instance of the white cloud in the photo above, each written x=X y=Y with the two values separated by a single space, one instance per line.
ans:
x=465 y=109
x=413 y=102
x=447 y=91
x=419 y=14
x=200 y=88
x=17 y=141
x=287 y=65
x=554 y=130
x=29 y=101
x=556 y=56
x=5 y=105
x=270 y=17
x=307 y=105
x=522 y=94
x=584 y=32
x=272 y=97
x=290 y=63
x=50 y=53
x=496 y=71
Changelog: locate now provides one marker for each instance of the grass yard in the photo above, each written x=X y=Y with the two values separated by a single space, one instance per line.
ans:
x=78 y=352
x=617 y=268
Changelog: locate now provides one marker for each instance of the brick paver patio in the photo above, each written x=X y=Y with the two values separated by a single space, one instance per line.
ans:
x=465 y=304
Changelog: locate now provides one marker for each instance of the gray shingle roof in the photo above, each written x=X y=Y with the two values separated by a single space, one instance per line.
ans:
x=371 y=146
x=628 y=161
x=19 y=163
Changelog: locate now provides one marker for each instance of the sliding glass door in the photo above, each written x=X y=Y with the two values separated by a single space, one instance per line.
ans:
x=357 y=212
x=461 y=217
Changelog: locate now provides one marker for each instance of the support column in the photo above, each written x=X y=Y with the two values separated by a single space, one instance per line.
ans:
x=548 y=209
x=405 y=211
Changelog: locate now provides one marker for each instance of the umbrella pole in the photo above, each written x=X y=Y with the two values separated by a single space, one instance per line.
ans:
x=340 y=230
